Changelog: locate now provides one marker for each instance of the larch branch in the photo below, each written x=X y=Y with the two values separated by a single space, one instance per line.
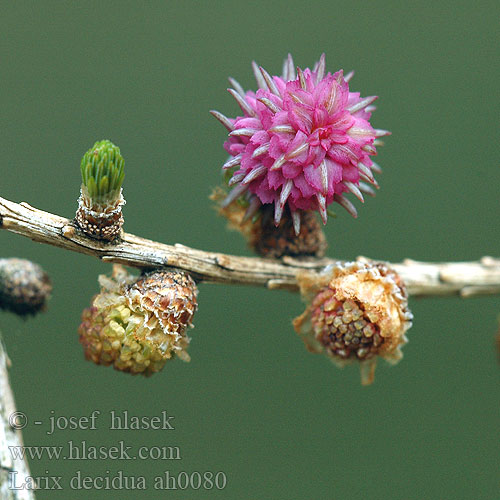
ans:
x=424 y=279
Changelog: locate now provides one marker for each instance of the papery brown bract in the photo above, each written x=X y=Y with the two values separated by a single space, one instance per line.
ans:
x=356 y=311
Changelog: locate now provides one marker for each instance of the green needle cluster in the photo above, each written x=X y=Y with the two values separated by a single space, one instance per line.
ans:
x=102 y=170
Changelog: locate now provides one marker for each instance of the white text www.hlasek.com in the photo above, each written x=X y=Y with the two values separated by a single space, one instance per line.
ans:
x=84 y=451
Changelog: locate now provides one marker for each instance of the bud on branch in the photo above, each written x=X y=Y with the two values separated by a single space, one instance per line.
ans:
x=100 y=204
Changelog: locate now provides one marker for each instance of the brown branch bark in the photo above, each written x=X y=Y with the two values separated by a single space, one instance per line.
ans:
x=447 y=278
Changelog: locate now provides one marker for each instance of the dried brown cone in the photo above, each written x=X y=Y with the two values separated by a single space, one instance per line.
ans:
x=356 y=312
x=25 y=287
x=100 y=220
x=272 y=241
x=137 y=324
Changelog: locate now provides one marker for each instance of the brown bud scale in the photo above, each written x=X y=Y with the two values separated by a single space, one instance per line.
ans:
x=101 y=221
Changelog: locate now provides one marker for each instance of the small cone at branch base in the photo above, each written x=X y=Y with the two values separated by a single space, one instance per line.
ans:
x=137 y=324
x=356 y=312
x=24 y=287
x=100 y=204
x=268 y=239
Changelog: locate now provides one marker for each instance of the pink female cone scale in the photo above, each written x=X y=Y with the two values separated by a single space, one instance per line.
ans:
x=303 y=142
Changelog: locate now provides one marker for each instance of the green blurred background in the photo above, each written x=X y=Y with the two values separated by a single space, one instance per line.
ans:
x=280 y=422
